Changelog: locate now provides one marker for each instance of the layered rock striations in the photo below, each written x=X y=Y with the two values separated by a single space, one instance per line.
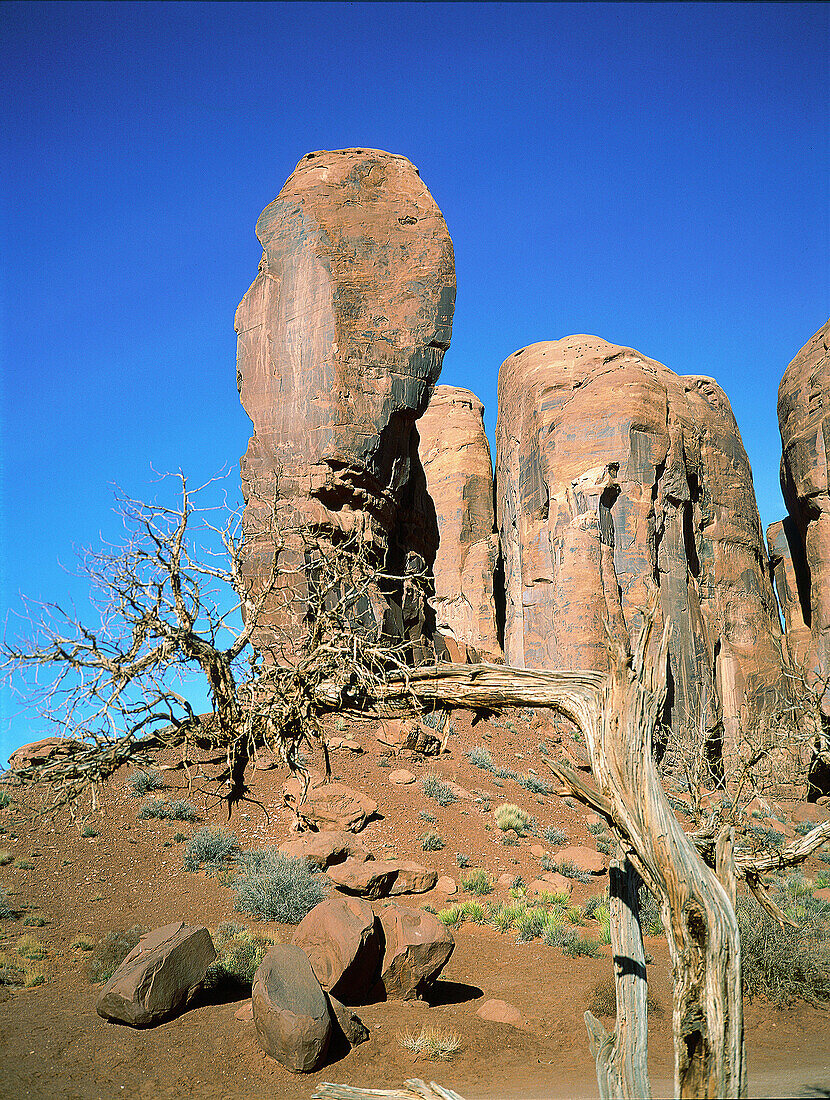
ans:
x=617 y=480
x=456 y=458
x=804 y=420
x=340 y=342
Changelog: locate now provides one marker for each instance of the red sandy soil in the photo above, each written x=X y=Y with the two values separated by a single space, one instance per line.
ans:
x=55 y=1046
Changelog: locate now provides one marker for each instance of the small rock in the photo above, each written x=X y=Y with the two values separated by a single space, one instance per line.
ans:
x=501 y=1012
x=401 y=777
x=446 y=885
x=38 y=752
x=557 y=884
x=382 y=877
x=593 y=819
x=823 y=894
x=291 y=1012
x=584 y=859
x=348 y=1023
x=158 y=977
x=537 y=851
x=506 y=880
x=459 y=792
x=246 y=1013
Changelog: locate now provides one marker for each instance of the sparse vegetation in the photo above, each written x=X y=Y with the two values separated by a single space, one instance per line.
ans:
x=595 y=828
x=108 y=955
x=239 y=951
x=5 y=857
x=555 y=836
x=431 y=842
x=425 y=815
x=575 y=944
x=452 y=916
x=276 y=887
x=5 y=799
x=6 y=911
x=141 y=782
x=477 y=882
x=510 y=817
x=23 y=864
x=166 y=810
x=533 y=784
x=83 y=943
x=89 y=831
x=34 y=920
x=436 y=788
x=30 y=948
x=479 y=757
x=432 y=1043
x=12 y=972
x=213 y=848
x=462 y=860
x=570 y=870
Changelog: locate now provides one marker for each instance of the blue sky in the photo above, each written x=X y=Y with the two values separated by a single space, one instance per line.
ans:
x=655 y=174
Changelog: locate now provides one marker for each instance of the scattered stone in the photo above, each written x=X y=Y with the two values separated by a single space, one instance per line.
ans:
x=584 y=859
x=324 y=849
x=501 y=1012
x=506 y=879
x=810 y=812
x=158 y=977
x=460 y=792
x=823 y=894
x=401 y=777
x=557 y=884
x=290 y=1010
x=341 y=938
x=410 y=734
x=417 y=947
x=382 y=877
x=246 y=1013
x=538 y=851
x=446 y=885
x=38 y=752
x=330 y=806
x=347 y=1023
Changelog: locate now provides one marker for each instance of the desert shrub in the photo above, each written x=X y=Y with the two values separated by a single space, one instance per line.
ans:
x=6 y=911
x=89 y=831
x=5 y=799
x=12 y=971
x=602 y=1000
x=385 y=761
x=555 y=836
x=141 y=782
x=531 y=923
x=595 y=828
x=767 y=835
x=432 y=1043
x=593 y=903
x=511 y=817
x=435 y=787
x=431 y=842
x=506 y=773
x=804 y=827
x=23 y=864
x=108 y=955
x=165 y=810
x=509 y=840
x=474 y=911
x=239 y=951
x=34 y=921
x=571 y=871
x=477 y=882
x=214 y=848
x=83 y=943
x=784 y=966
x=462 y=860
x=276 y=887
x=574 y=944
x=533 y=784
x=479 y=757
x=425 y=815
x=30 y=948
x=5 y=857
x=452 y=916
x=575 y=914
x=553 y=931
x=602 y=915
x=603 y=845
x=651 y=923
x=555 y=899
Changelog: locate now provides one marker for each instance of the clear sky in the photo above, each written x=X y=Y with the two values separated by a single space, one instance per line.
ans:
x=654 y=174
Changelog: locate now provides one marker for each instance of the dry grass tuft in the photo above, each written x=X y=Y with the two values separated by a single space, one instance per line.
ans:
x=432 y=1044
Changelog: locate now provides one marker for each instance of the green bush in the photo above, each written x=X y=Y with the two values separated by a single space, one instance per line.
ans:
x=165 y=810
x=452 y=916
x=531 y=923
x=435 y=787
x=510 y=817
x=651 y=923
x=533 y=784
x=477 y=882
x=431 y=842
x=89 y=831
x=276 y=887
x=555 y=836
x=570 y=870
x=595 y=828
x=5 y=799
x=480 y=758
x=239 y=951
x=462 y=860
x=141 y=782
x=108 y=955
x=574 y=944
x=785 y=965
x=214 y=848
x=6 y=911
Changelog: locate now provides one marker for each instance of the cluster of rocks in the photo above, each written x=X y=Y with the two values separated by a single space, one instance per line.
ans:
x=342 y=954
x=618 y=483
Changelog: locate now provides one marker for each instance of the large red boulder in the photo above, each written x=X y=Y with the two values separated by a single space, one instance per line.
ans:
x=158 y=977
x=330 y=806
x=417 y=947
x=324 y=849
x=341 y=937
x=291 y=1012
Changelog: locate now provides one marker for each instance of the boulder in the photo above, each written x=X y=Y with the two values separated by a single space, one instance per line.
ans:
x=501 y=1012
x=401 y=778
x=346 y=1023
x=158 y=977
x=330 y=806
x=291 y=1012
x=409 y=733
x=446 y=885
x=416 y=949
x=322 y=850
x=382 y=877
x=456 y=458
x=584 y=859
x=552 y=883
x=619 y=480
x=38 y=752
x=340 y=342
x=804 y=420
x=341 y=937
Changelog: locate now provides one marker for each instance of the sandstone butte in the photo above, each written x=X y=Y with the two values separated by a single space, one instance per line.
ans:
x=803 y=541
x=456 y=458
x=616 y=477
x=340 y=342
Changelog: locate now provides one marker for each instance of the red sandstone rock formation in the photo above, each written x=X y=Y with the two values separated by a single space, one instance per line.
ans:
x=792 y=586
x=804 y=419
x=616 y=476
x=459 y=472
x=340 y=341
